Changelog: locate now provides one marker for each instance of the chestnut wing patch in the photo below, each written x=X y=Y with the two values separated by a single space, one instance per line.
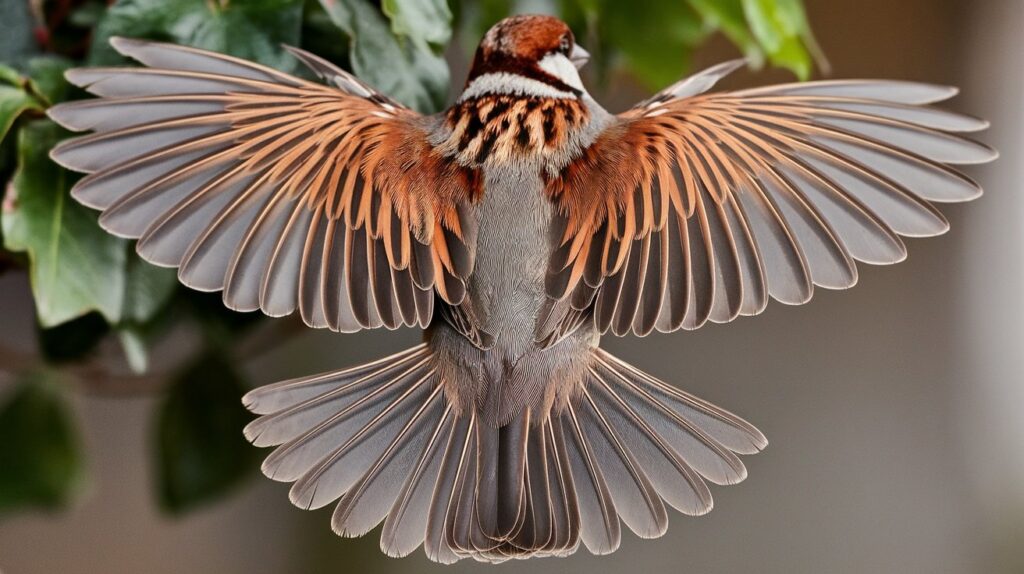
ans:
x=700 y=207
x=285 y=194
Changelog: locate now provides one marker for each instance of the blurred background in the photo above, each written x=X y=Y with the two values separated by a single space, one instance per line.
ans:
x=894 y=410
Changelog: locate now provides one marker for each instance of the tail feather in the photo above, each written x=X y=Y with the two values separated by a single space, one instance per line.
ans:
x=728 y=429
x=435 y=544
x=293 y=408
x=564 y=511
x=335 y=474
x=367 y=503
x=277 y=397
x=636 y=501
x=305 y=445
x=460 y=526
x=501 y=498
x=537 y=526
x=672 y=477
x=405 y=527
x=600 y=530
x=385 y=441
x=702 y=452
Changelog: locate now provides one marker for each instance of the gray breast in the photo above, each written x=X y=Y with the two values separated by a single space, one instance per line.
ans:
x=505 y=295
x=507 y=286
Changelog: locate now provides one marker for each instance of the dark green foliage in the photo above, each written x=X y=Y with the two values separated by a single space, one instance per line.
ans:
x=39 y=451
x=17 y=98
x=654 y=39
x=74 y=264
x=408 y=69
x=74 y=339
x=253 y=29
x=200 y=451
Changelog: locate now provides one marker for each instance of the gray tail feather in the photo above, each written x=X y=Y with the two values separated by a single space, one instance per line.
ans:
x=383 y=441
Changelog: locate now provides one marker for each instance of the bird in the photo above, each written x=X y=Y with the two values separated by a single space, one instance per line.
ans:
x=515 y=229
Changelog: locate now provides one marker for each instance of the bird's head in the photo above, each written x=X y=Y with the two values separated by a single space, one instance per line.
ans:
x=534 y=48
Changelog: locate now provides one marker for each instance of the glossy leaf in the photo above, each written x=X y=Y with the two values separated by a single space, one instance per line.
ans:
x=402 y=70
x=655 y=40
x=21 y=96
x=782 y=30
x=75 y=267
x=46 y=75
x=728 y=16
x=40 y=453
x=321 y=36
x=15 y=99
x=428 y=23
x=201 y=453
x=253 y=29
x=150 y=288
x=133 y=343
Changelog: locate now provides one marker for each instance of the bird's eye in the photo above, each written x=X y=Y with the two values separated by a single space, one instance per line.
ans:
x=565 y=45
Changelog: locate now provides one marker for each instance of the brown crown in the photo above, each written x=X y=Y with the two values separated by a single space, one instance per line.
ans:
x=515 y=45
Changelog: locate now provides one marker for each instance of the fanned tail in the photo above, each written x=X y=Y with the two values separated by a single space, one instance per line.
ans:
x=384 y=441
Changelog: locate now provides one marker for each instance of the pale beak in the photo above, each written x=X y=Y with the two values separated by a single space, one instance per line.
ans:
x=579 y=56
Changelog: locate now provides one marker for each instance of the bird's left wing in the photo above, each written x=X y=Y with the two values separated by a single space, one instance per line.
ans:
x=693 y=207
x=285 y=193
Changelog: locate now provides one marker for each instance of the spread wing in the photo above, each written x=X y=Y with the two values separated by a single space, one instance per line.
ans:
x=285 y=194
x=696 y=207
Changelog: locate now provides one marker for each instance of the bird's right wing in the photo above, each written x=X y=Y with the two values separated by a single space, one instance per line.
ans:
x=694 y=207
x=287 y=194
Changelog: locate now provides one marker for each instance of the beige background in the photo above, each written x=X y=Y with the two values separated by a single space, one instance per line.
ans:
x=894 y=410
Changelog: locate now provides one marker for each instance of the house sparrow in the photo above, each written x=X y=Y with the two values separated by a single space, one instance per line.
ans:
x=515 y=228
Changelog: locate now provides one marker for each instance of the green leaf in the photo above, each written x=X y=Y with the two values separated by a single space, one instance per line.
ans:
x=40 y=452
x=47 y=76
x=781 y=28
x=251 y=29
x=320 y=35
x=479 y=15
x=15 y=99
x=201 y=452
x=426 y=22
x=728 y=16
x=148 y=289
x=9 y=75
x=656 y=40
x=76 y=267
x=402 y=70
x=88 y=14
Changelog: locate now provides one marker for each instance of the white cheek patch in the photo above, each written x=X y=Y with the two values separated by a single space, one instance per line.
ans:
x=561 y=67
